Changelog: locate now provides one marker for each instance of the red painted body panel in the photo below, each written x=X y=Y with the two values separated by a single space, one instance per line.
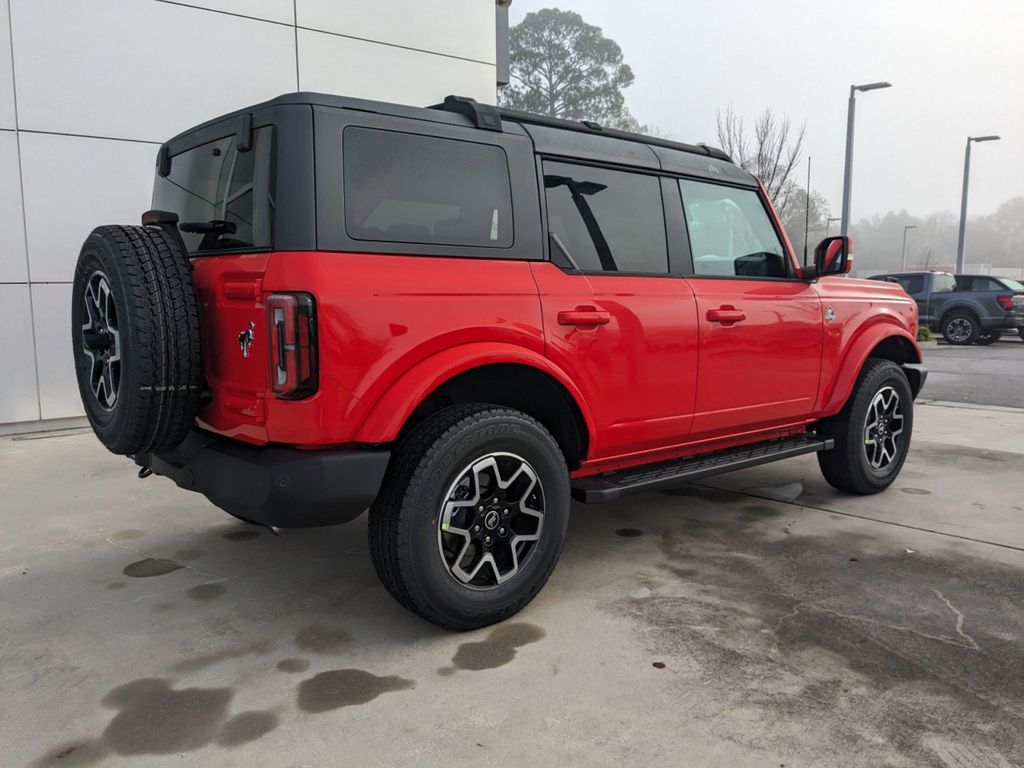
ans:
x=660 y=367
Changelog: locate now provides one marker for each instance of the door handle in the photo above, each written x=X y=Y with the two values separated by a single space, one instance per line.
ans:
x=726 y=315
x=584 y=317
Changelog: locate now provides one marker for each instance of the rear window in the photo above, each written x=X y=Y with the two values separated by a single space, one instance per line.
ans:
x=224 y=192
x=405 y=188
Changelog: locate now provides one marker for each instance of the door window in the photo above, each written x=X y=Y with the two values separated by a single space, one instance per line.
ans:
x=731 y=234
x=601 y=220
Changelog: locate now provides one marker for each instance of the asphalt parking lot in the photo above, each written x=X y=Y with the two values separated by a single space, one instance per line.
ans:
x=756 y=619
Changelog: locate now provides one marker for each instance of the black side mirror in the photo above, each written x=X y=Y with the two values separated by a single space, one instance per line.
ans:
x=833 y=256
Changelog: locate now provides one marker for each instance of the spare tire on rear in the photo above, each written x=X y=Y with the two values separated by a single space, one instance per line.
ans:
x=135 y=335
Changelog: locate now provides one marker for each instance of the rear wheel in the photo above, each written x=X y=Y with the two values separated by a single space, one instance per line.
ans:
x=872 y=432
x=989 y=337
x=1020 y=332
x=472 y=516
x=960 y=328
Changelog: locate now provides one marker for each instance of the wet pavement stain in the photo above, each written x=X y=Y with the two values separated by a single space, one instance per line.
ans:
x=144 y=569
x=916 y=491
x=498 y=648
x=78 y=753
x=293 y=666
x=155 y=719
x=128 y=533
x=346 y=688
x=629 y=533
x=204 y=593
x=321 y=639
x=117 y=585
x=245 y=727
x=246 y=535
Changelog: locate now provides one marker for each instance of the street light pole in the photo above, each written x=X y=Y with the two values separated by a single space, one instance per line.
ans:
x=963 y=199
x=906 y=229
x=848 y=171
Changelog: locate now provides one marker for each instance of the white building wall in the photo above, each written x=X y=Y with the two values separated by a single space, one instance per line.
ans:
x=90 y=88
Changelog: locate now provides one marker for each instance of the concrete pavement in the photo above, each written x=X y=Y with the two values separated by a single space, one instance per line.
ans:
x=756 y=619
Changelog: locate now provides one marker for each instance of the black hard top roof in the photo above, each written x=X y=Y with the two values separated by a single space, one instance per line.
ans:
x=569 y=138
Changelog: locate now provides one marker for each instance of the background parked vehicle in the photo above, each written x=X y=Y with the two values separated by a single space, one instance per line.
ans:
x=975 y=310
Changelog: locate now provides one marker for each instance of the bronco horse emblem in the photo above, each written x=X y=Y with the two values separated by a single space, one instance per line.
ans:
x=245 y=339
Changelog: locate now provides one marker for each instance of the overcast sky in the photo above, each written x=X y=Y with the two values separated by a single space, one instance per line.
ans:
x=957 y=69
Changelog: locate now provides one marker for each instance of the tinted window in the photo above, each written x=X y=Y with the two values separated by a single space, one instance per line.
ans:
x=967 y=283
x=215 y=183
x=943 y=283
x=911 y=283
x=730 y=232
x=405 y=188
x=606 y=221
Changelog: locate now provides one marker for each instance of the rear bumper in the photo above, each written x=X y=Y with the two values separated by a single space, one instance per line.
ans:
x=274 y=486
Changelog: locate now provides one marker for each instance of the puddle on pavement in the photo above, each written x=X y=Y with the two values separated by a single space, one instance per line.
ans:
x=496 y=650
x=144 y=569
x=245 y=727
x=204 y=593
x=293 y=666
x=346 y=688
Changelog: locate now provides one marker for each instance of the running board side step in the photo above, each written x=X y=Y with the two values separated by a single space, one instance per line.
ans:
x=612 y=485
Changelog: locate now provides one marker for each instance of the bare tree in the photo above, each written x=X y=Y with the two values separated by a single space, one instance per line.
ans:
x=771 y=153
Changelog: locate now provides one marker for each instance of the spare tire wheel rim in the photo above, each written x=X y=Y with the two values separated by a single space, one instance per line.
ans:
x=960 y=329
x=101 y=341
x=883 y=428
x=491 y=520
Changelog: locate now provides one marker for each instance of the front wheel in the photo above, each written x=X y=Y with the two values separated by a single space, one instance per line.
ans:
x=871 y=433
x=471 y=517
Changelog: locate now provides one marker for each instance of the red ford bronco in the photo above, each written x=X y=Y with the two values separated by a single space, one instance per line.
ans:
x=460 y=317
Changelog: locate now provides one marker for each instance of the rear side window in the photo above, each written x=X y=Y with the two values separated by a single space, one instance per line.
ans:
x=605 y=221
x=943 y=283
x=406 y=188
x=911 y=283
x=221 y=191
x=978 y=284
x=730 y=232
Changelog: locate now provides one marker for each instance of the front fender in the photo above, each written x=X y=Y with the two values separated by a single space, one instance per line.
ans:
x=386 y=417
x=837 y=390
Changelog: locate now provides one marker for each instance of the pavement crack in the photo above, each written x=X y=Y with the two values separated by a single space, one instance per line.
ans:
x=959 y=620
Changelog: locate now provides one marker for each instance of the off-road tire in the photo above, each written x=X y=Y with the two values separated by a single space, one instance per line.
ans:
x=846 y=466
x=988 y=337
x=150 y=287
x=404 y=519
x=958 y=317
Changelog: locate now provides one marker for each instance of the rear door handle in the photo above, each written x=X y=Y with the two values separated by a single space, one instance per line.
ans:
x=726 y=315
x=583 y=317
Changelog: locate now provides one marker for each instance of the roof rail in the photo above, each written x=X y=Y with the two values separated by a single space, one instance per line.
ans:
x=589 y=126
x=481 y=115
x=489 y=118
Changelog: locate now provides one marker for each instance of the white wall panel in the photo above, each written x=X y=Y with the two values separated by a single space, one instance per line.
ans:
x=139 y=69
x=455 y=27
x=58 y=389
x=73 y=185
x=6 y=75
x=282 y=11
x=12 y=226
x=357 y=68
x=18 y=398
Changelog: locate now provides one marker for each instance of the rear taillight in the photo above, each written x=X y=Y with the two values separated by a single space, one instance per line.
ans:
x=1006 y=302
x=292 y=335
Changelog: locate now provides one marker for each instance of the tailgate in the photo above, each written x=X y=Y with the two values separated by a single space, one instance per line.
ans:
x=234 y=339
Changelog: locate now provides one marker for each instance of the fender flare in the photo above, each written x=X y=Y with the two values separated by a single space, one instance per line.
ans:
x=387 y=416
x=836 y=394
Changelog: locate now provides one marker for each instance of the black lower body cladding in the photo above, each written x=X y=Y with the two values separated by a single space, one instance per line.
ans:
x=135 y=337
